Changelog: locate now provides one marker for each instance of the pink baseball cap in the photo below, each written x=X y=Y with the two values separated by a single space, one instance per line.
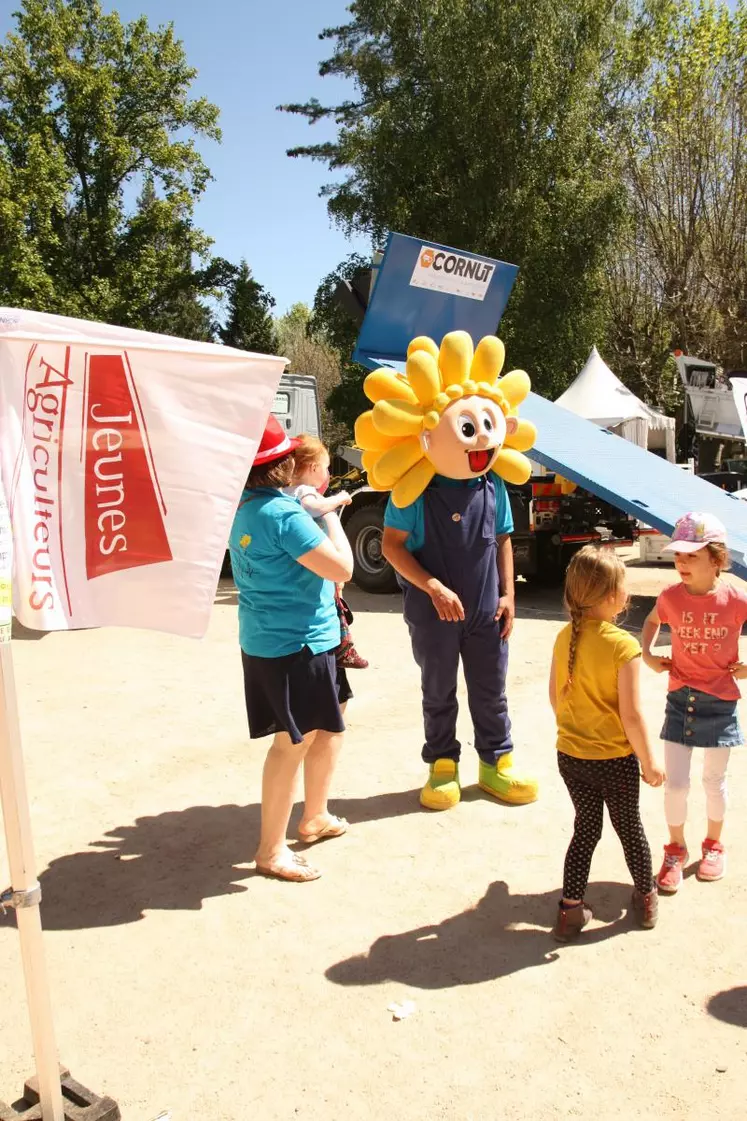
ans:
x=694 y=531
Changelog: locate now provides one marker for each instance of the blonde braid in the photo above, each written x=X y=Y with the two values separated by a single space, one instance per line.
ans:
x=576 y=617
x=593 y=575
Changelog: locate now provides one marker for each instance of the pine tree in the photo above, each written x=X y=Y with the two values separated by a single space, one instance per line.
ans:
x=250 y=325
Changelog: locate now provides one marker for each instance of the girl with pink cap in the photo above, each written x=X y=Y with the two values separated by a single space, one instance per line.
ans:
x=705 y=616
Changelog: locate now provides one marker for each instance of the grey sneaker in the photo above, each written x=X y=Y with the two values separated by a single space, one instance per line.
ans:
x=570 y=922
x=646 y=908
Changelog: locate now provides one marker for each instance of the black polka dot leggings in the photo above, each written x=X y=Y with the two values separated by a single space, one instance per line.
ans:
x=592 y=784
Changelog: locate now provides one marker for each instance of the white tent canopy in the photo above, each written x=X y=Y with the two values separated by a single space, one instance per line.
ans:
x=598 y=395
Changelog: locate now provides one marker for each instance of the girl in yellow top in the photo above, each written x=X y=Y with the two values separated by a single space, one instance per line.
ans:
x=602 y=743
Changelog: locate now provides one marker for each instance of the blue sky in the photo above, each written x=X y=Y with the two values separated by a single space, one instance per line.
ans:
x=253 y=55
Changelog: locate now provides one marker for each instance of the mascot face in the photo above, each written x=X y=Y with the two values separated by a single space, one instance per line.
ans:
x=450 y=414
x=466 y=440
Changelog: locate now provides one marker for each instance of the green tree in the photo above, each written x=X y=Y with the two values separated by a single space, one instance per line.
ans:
x=485 y=124
x=311 y=353
x=332 y=323
x=89 y=108
x=679 y=276
x=249 y=325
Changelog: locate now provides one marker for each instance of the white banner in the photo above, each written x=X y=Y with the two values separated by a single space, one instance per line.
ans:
x=123 y=455
x=455 y=273
x=739 y=390
x=6 y=558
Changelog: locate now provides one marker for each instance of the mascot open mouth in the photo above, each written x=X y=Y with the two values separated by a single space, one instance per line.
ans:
x=480 y=460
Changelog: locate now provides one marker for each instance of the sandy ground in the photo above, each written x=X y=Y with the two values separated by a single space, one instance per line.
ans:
x=183 y=982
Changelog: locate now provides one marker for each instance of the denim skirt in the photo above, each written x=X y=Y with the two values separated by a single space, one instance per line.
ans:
x=697 y=719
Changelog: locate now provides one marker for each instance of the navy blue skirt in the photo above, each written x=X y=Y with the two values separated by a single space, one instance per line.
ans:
x=298 y=693
x=697 y=719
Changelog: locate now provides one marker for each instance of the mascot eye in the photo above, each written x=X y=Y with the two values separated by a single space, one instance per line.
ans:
x=489 y=421
x=467 y=426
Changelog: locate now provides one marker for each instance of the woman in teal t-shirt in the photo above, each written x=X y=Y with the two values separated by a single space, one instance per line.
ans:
x=285 y=568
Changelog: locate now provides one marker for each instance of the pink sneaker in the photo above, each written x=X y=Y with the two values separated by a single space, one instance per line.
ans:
x=670 y=873
x=713 y=864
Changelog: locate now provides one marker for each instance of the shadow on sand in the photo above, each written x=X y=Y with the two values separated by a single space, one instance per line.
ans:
x=730 y=1006
x=173 y=861
x=503 y=934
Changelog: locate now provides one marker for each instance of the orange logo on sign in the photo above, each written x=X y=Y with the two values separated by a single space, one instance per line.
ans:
x=426 y=258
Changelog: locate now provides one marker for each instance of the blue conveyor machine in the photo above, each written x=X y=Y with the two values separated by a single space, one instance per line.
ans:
x=422 y=288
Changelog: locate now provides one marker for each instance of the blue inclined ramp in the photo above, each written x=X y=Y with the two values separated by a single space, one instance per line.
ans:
x=636 y=481
x=631 y=478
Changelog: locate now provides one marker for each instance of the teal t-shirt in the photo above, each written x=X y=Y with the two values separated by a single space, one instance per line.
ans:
x=411 y=519
x=282 y=606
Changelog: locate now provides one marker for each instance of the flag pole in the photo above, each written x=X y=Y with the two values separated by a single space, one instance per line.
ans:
x=24 y=894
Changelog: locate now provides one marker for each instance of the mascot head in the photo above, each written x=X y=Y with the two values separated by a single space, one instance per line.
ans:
x=450 y=414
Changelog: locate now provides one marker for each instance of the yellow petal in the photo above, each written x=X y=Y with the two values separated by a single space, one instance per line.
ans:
x=423 y=376
x=515 y=387
x=512 y=466
x=373 y=480
x=455 y=357
x=490 y=355
x=523 y=438
x=396 y=462
x=368 y=437
x=387 y=385
x=369 y=459
x=412 y=485
x=398 y=418
x=422 y=342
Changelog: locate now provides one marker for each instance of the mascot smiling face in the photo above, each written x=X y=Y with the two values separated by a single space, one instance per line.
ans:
x=450 y=414
x=468 y=437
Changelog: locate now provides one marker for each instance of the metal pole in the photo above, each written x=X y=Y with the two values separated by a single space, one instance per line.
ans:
x=24 y=894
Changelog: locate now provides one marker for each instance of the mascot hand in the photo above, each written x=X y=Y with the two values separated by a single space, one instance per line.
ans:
x=447 y=604
x=506 y=612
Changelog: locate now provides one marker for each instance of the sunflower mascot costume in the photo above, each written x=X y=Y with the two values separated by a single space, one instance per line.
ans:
x=442 y=438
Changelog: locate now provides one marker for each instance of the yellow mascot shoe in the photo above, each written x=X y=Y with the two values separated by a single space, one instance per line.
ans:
x=500 y=780
x=442 y=790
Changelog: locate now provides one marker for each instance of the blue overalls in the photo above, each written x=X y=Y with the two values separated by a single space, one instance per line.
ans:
x=460 y=551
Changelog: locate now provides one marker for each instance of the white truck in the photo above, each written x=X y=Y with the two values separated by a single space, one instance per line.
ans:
x=711 y=427
x=296 y=405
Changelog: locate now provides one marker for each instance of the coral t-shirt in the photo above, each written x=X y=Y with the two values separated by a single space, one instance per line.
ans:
x=705 y=637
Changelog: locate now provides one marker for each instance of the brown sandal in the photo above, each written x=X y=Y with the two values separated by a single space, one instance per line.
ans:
x=298 y=871
x=335 y=827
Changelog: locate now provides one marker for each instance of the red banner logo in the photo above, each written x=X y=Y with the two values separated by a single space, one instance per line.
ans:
x=123 y=501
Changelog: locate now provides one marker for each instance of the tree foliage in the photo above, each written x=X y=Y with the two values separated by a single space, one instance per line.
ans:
x=311 y=353
x=481 y=124
x=249 y=325
x=679 y=278
x=329 y=321
x=91 y=109
x=598 y=144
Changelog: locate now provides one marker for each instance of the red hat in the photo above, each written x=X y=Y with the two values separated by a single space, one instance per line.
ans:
x=275 y=444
